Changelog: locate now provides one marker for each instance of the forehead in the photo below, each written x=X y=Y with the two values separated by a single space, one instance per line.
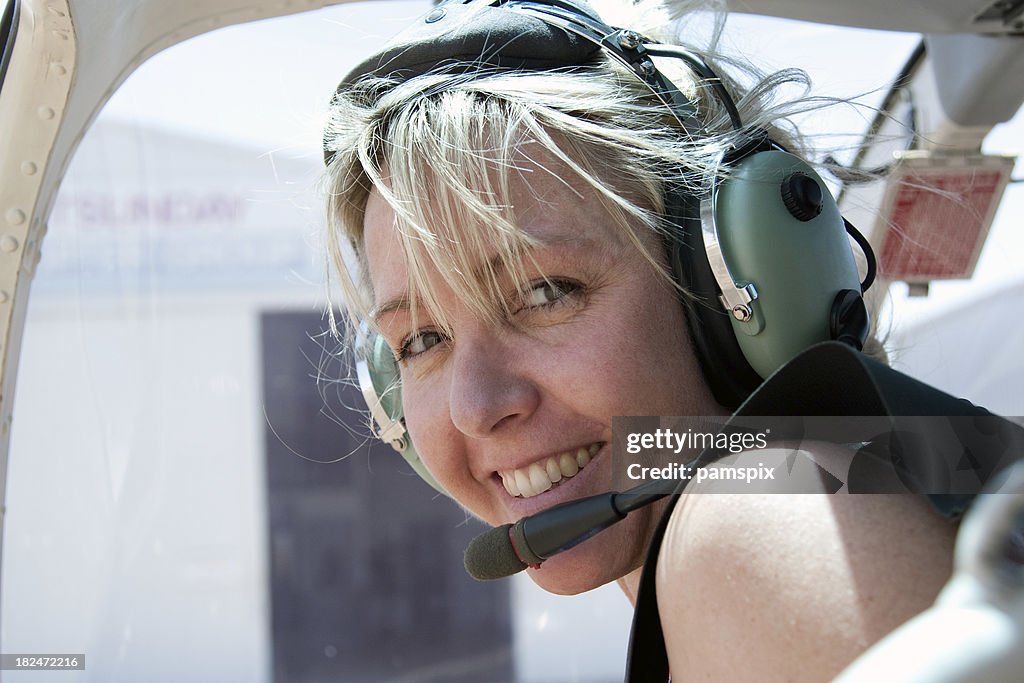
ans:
x=548 y=204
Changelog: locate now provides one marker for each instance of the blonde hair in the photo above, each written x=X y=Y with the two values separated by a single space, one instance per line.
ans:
x=442 y=150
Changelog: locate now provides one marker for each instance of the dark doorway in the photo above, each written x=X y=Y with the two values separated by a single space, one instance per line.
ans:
x=366 y=572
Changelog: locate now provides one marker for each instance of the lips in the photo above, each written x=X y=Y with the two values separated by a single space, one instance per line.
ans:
x=540 y=476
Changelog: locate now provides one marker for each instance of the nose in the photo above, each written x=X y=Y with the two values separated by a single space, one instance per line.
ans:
x=491 y=386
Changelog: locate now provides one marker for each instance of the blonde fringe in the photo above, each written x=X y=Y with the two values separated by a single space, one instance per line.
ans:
x=444 y=149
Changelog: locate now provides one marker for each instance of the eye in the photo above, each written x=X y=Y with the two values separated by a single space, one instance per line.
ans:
x=549 y=292
x=419 y=342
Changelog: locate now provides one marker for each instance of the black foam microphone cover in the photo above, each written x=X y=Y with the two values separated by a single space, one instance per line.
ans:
x=491 y=556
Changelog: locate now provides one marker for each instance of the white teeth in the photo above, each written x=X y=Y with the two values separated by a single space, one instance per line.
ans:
x=539 y=477
x=582 y=457
x=568 y=465
x=553 y=470
x=523 y=482
x=511 y=486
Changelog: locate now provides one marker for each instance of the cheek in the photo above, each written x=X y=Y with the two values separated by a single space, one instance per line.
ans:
x=644 y=358
x=680 y=383
x=438 y=443
x=425 y=411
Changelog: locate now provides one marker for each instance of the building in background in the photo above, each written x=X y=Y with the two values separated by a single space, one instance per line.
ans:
x=210 y=507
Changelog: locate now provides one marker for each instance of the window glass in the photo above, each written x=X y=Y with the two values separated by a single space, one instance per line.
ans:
x=8 y=31
x=190 y=495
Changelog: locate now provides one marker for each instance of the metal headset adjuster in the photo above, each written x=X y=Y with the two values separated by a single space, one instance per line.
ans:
x=386 y=428
x=736 y=299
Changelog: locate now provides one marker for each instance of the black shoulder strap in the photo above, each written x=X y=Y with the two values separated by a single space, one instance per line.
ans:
x=829 y=379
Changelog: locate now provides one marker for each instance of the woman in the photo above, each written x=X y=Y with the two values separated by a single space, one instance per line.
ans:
x=502 y=215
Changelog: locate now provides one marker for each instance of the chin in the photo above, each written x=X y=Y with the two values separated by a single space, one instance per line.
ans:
x=606 y=557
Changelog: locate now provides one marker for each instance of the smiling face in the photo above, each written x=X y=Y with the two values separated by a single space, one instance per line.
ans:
x=515 y=416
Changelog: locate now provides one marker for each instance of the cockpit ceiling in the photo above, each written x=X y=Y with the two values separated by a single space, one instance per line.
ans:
x=915 y=16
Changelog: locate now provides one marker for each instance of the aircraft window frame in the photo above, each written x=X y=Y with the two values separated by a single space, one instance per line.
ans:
x=8 y=34
x=532 y=623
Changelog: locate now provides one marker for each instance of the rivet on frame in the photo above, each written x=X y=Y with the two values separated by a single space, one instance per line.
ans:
x=58 y=68
x=46 y=113
x=15 y=216
x=4 y=297
x=29 y=168
x=9 y=244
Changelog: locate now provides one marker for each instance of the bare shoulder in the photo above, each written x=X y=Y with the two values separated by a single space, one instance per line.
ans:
x=793 y=587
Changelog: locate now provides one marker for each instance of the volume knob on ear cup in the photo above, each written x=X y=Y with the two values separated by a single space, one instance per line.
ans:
x=802 y=196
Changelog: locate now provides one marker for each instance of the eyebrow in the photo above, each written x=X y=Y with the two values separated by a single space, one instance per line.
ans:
x=398 y=304
x=401 y=303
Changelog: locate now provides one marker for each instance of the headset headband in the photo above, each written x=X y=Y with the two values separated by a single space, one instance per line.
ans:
x=479 y=33
x=462 y=36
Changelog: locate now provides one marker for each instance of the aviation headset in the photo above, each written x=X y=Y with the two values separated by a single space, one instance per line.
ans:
x=765 y=251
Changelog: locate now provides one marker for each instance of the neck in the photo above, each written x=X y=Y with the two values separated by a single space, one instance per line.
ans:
x=630 y=584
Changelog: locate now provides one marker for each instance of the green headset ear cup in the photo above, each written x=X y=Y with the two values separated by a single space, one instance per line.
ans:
x=387 y=385
x=798 y=264
x=798 y=267
x=384 y=372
